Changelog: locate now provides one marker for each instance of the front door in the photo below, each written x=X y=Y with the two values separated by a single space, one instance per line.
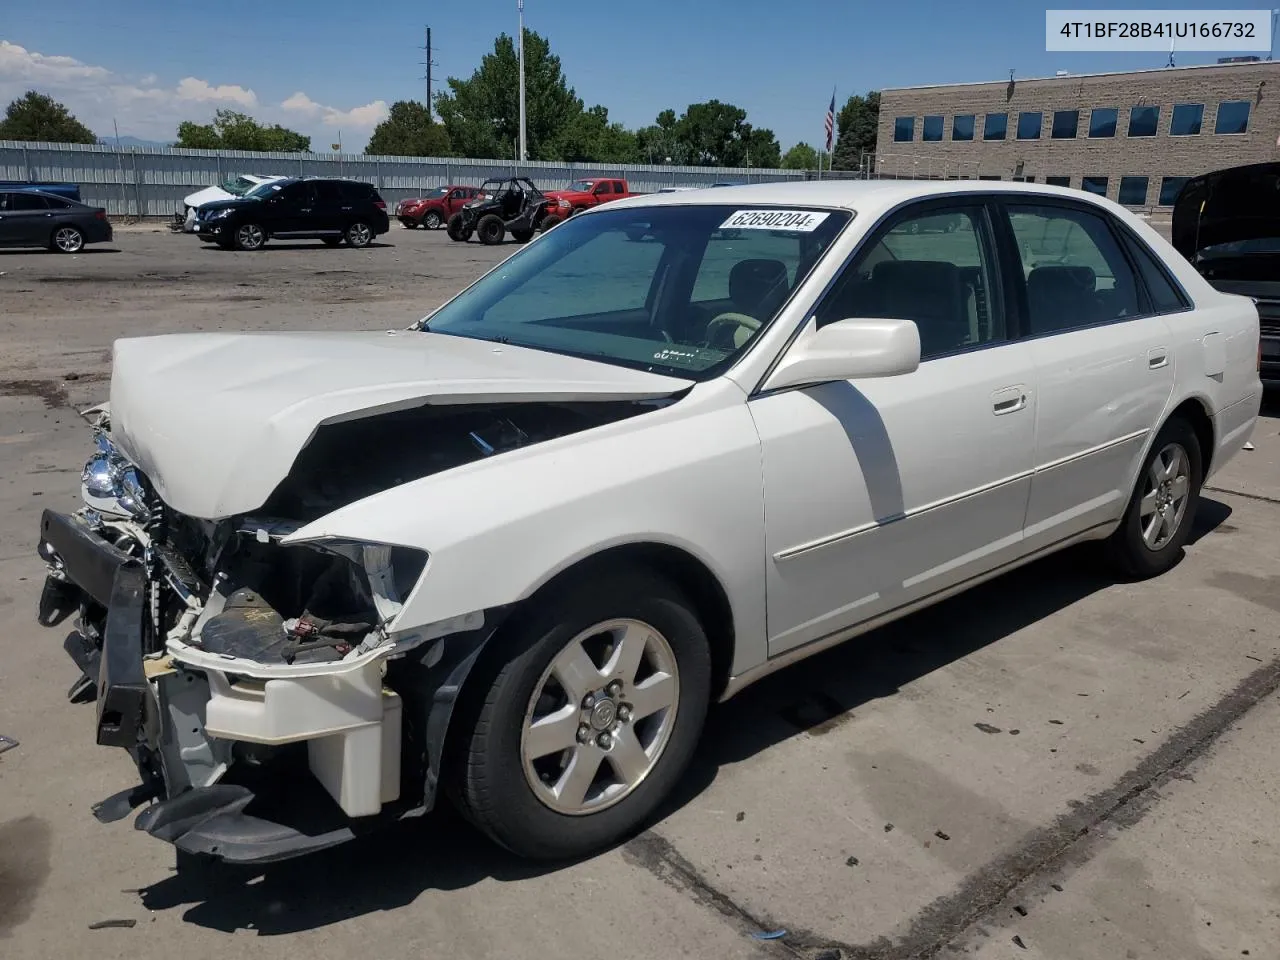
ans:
x=290 y=210
x=1105 y=365
x=879 y=492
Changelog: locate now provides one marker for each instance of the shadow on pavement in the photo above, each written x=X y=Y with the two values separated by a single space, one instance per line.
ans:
x=393 y=868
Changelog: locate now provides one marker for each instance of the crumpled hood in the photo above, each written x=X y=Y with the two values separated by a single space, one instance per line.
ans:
x=215 y=420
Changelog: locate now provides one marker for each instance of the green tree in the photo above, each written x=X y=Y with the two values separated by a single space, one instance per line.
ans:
x=716 y=134
x=857 y=123
x=482 y=114
x=409 y=131
x=231 y=130
x=800 y=157
x=661 y=140
x=591 y=137
x=35 y=116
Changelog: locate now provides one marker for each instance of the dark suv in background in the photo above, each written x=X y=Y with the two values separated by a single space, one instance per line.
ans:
x=311 y=208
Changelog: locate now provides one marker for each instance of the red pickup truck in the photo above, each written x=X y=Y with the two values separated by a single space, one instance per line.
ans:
x=584 y=194
x=433 y=210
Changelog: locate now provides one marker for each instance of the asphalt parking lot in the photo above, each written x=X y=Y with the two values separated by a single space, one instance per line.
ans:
x=1052 y=766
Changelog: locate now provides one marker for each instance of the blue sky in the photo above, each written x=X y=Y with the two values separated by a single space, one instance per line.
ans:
x=325 y=65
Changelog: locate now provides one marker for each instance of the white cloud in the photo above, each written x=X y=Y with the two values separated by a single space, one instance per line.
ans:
x=145 y=107
x=365 y=117
x=189 y=88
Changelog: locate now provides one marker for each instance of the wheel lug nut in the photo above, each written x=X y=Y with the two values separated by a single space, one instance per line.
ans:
x=605 y=741
x=624 y=713
x=584 y=733
x=615 y=688
x=588 y=701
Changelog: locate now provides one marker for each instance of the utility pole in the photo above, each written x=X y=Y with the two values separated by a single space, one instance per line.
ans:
x=429 y=64
x=524 y=150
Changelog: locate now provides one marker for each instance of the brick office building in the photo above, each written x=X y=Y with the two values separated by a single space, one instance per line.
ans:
x=1134 y=137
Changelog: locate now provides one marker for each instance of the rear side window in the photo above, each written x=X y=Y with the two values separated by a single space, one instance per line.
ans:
x=327 y=192
x=27 y=201
x=1165 y=295
x=57 y=203
x=1075 y=270
x=357 y=191
x=935 y=268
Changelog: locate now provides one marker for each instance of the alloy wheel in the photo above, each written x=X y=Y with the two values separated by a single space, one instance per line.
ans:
x=250 y=236
x=600 y=717
x=68 y=239
x=1165 y=495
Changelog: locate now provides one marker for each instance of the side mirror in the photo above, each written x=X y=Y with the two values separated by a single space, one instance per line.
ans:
x=848 y=350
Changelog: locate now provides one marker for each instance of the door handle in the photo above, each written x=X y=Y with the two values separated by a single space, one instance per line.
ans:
x=1157 y=358
x=1008 y=400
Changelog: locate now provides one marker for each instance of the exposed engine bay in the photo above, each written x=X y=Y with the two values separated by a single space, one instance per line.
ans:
x=209 y=644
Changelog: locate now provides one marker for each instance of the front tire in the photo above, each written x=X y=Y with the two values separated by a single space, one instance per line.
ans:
x=490 y=230
x=456 y=230
x=431 y=221
x=1162 y=508
x=590 y=721
x=249 y=237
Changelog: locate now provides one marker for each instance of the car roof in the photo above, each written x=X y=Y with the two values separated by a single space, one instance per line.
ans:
x=43 y=193
x=859 y=195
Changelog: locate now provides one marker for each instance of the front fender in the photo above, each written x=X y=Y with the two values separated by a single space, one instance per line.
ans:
x=688 y=475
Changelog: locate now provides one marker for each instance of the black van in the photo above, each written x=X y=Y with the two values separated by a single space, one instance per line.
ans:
x=296 y=208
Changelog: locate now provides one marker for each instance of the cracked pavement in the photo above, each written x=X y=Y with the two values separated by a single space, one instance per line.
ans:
x=1085 y=766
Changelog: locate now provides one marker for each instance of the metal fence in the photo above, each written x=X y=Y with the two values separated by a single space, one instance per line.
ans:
x=151 y=181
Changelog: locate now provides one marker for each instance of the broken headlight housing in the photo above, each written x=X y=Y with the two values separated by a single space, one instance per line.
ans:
x=111 y=485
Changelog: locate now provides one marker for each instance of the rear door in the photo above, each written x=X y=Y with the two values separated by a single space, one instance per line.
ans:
x=25 y=219
x=332 y=207
x=1103 y=359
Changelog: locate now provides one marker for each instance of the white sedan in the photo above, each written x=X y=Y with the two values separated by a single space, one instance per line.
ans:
x=515 y=551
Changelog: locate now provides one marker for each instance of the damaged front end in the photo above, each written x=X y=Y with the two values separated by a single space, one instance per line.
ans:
x=264 y=688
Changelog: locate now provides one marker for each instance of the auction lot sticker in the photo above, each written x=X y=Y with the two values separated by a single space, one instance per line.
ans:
x=798 y=221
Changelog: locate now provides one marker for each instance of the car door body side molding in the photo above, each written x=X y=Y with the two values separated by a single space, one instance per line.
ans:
x=801 y=549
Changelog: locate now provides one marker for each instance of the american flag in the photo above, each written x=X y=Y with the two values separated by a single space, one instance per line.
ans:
x=831 y=121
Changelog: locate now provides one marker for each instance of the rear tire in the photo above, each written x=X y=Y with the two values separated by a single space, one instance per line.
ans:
x=490 y=230
x=495 y=768
x=358 y=234
x=522 y=236
x=1162 y=508
x=549 y=221
x=66 y=239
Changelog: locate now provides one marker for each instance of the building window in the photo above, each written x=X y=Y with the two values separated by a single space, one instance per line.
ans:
x=1102 y=122
x=962 y=126
x=1133 y=191
x=904 y=129
x=1143 y=121
x=1233 y=117
x=1058 y=181
x=1170 y=187
x=1187 y=118
x=1029 y=125
x=989 y=176
x=997 y=126
x=1066 y=123
x=932 y=130
x=1096 y=185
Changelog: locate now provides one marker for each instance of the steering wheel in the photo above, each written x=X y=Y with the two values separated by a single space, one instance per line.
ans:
x=732 y=322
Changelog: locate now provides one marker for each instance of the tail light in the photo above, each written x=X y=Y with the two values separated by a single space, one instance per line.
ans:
x=380 y=204
x=99 y=214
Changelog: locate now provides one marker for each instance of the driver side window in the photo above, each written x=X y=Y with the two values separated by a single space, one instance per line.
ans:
x=936 y=268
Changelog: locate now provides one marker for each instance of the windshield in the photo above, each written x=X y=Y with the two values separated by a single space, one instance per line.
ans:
x=680 y=290
x=238 y=186
x=266 y=189
x=580 y=186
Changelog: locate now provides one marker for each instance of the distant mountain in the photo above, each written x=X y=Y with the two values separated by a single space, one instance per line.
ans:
x=134 y=142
